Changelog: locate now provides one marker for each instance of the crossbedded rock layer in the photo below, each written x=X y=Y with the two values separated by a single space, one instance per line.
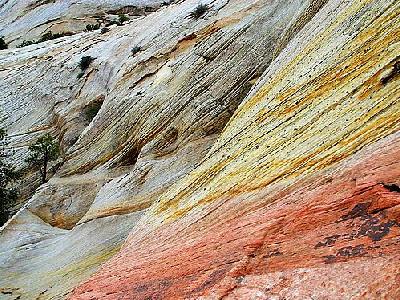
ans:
x=28 y=20
x=162 y=110
x=299 y=197
x=318 y=238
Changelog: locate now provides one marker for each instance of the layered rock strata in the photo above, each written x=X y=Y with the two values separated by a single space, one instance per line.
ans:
x=162 y=110
x=299 y=197
x=29 y=20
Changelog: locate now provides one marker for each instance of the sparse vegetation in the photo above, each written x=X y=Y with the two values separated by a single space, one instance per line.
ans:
x=135 y=50
x=3 y=44
x=26 y=43
x=113 y=22
x=91 y=27
x=52 y=36
x=166 y=3
x=46 y=37
x=122 y=18
x=199 y=11
x=8 y=175
x=85 y=62
x=41 y=153
x=105 y=30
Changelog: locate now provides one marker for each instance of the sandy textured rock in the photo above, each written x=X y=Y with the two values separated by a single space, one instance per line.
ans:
x=44 y=261
x=29 y=19
x=162 y=110
x=299 y=197
x=63 y=202
x=319 y=238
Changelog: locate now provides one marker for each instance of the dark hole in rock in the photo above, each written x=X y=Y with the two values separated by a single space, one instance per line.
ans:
x=166 y=141
x=392 y=187
x=395 y=71
x=92 y=109
x=130 y=157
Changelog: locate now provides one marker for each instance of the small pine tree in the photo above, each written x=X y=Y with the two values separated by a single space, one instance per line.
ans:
x=41 y=153
x=3 y=44
x=8 y=175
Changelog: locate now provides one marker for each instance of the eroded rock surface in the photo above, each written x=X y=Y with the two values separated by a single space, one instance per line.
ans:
x=250 y=153
x=299 y=197
x=28 y=20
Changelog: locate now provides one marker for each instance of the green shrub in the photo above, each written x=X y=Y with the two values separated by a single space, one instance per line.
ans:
x=199 y=11
x=113 y=22
x=85 y=62
x=91 y=27
x=105 y=30
x=41 y=153
x=51 y=36
x=46 y=37
x=122 y=19
x=26 y=43
x=3 y=44
x=135 y=50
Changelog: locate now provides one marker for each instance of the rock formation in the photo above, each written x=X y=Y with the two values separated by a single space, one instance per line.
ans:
x=251 y=152
x=28 y=20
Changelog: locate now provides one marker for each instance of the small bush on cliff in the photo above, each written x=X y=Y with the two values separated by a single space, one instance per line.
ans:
x=26 y=43
x=199 y=11
x=105 y=30
x=91 y=27
x=8 y=175
x=3 y=44
x=41 y=153
x=85 y=62
x=122 y=19
x=113 y=22
x=51 y=36
x=135 y=50
x=45 y=37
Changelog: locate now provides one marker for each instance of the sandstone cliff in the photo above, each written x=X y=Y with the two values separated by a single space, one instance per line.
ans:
x=250 y=153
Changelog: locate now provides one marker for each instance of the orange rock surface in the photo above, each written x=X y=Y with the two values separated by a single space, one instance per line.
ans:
x=251 y=152
x=299 y=197
x=334 y=235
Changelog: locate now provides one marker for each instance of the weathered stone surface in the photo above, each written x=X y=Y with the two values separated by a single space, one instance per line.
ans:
x=299 y=196
x=294 y=194
x=41 y=261
x=319 y=238
x=28 y=20
x=63 y=202
x=162 y=110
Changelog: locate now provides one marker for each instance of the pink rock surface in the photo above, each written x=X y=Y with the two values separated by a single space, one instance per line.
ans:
x=334 y=235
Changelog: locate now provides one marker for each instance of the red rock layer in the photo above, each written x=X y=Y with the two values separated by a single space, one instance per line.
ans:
x=333 y=235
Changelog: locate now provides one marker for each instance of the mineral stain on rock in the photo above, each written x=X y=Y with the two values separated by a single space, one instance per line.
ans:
x=214 y=150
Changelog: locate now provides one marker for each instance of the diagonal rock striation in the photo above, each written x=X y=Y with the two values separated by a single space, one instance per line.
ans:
x=249 y=153
x=160 y=111
x=292 y=201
